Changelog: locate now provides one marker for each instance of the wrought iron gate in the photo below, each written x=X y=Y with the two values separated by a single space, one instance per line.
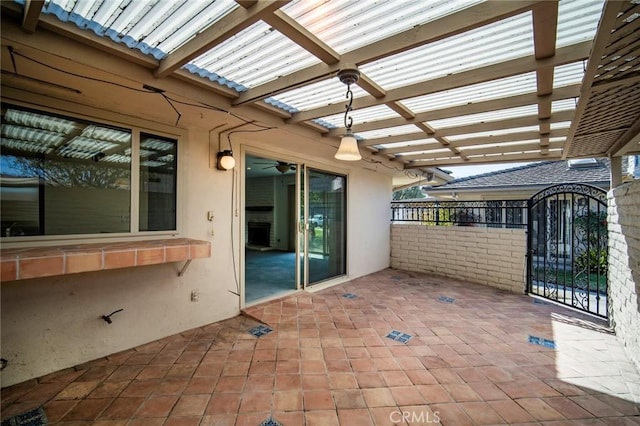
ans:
x=567 y=246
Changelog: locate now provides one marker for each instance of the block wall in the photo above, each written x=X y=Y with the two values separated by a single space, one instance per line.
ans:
x=489 y=256
x=624 y=266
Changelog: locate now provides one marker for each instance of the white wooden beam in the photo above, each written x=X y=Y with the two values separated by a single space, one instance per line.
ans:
x=607 y=22
x=302 y=37
x=456 y=23
x=510 y=68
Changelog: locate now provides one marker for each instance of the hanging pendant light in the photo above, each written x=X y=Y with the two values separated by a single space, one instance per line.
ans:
x=348 y=150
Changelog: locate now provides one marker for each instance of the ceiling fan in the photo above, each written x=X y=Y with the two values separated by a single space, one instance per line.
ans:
x=281 y=166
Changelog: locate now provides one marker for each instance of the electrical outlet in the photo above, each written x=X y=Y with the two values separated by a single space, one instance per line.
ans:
x=195 y=295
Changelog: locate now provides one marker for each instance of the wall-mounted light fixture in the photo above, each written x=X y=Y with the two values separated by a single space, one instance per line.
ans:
x=225 y=160
x=348 y=150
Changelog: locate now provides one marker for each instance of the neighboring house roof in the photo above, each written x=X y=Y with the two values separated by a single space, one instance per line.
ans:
x=532 y=175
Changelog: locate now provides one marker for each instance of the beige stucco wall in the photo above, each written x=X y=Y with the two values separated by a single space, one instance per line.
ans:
x=489 y=256
x=52 y=323
x=624 y=266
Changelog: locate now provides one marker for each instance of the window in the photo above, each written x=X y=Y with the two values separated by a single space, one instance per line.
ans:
x=66 y=176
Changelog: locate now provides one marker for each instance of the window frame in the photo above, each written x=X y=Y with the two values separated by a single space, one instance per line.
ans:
x=136 y=126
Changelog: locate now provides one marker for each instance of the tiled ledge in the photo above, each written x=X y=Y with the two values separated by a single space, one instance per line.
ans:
x=35 y=262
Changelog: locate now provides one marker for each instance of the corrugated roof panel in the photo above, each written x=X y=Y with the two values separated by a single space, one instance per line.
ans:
x=365 y=115
x=566 y=75
x=322 y=93
x=254 y=56
x=406 y=143
x=156 y=28
x=391 y=131
x=511 y=86
x=424 y=151
x=507 y=39
x=484 y=117
x=577 y=21
x=507 y=144
x=346 y=25
x=564 y=105
x=493 y=133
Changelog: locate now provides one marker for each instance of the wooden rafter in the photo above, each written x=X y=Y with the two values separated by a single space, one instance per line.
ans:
x=607 y=22
x=31 y=14
x=480 y=159
x=456 y=23
x=566 y=92
x=510 y=68
x=545 y=24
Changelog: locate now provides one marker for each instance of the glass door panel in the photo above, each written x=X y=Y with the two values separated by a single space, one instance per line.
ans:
x=326 y=230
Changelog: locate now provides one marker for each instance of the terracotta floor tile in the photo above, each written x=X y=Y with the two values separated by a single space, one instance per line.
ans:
x=171 y=386
x=191 y=405
x=370 y=380
x=224 y=403
x=539 y=409
x=55 y=410
x=321 y=418
x=354 y=417
x=87 y=409
x=122 y=408
x=433 y=394
x=378 y=397
x=406 y=395
x=318 y=400
x=230 y=384
x=568 y=408
x=461 y=392
x=342 y=381
x=350 y=398
x=157 y=406
x=77 y=390
x=481 y=413
x=595 y=406
x=510 y=411
x=327 y=362
x=395 y=378
x=315 y=381
x=183 y=421
x=451 y=414
x=290 y=400
x=255 y=401
x=219 y=420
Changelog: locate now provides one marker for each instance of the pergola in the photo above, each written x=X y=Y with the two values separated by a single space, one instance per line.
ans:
x=442 y=83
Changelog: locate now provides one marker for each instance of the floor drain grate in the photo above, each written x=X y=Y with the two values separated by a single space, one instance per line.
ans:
x=399 y=336
x=260 y=330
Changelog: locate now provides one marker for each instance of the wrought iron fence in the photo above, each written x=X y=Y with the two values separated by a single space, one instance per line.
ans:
x=491 y=214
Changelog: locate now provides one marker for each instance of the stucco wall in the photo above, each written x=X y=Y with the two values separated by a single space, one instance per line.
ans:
x=54 y=323
x=624 y=266
x=489 y=256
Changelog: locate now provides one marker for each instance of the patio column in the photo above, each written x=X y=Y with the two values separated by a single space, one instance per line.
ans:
x=616 y=171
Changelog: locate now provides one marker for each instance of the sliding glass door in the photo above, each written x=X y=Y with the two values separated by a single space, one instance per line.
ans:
x=323 y=246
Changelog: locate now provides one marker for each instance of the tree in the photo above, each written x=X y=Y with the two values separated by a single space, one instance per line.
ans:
x=408 y=193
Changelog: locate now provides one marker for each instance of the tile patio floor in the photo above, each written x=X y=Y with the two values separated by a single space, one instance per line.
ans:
x=328 y=362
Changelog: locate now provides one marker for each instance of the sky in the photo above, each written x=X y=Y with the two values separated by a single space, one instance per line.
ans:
x=464 y=171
